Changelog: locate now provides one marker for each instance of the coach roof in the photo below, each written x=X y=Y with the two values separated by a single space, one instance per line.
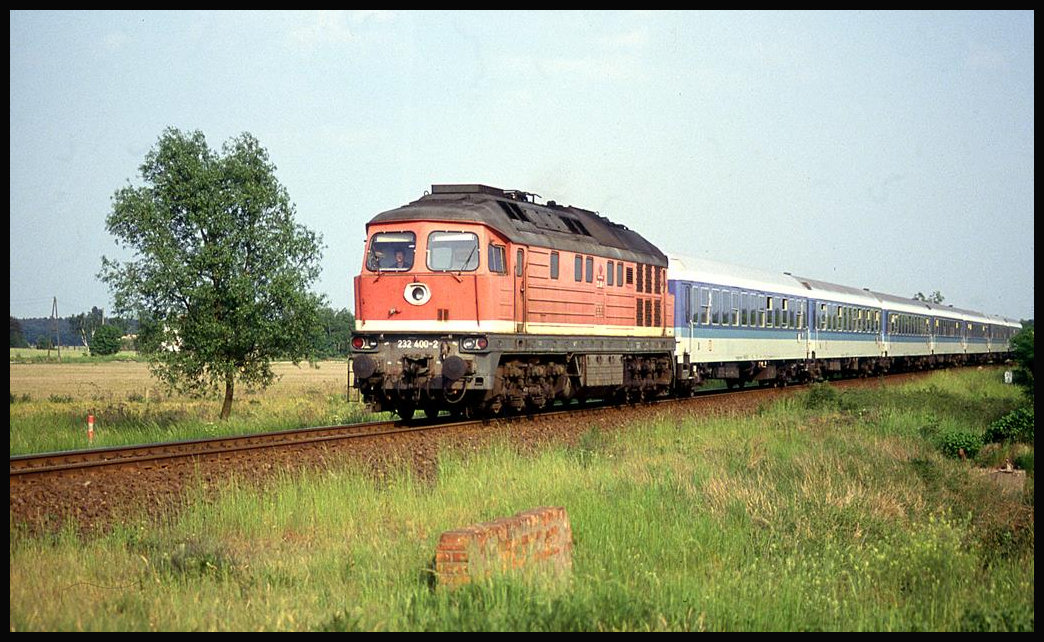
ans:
x=517 y=216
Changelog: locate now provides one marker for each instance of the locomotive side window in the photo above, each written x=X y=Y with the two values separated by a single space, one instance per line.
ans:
x=609 y=273
x=554 y=265
x=619 y=275
x=519 y=260
x=497 y=262
x=590 y=269
x=453 y=252
x=578 y=268
x=391 y=251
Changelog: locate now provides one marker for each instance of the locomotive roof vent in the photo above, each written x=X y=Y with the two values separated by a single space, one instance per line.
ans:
x=466 y=189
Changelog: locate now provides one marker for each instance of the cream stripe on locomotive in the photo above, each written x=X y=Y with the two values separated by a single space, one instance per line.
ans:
x=509 y=327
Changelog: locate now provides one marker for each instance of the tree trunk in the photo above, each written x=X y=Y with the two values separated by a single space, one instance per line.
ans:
x=230 y=385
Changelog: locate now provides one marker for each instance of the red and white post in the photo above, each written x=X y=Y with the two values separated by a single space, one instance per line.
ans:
x=90 y=428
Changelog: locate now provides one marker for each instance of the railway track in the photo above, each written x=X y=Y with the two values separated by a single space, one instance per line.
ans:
x=93 y=486
x=159 y=455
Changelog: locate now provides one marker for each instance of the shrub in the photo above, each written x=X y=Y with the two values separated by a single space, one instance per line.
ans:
x=106 y=340
x=1017 y=425
x=822 y=396
x=952 y=442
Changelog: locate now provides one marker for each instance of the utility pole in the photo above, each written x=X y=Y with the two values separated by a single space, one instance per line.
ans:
x=57 y=332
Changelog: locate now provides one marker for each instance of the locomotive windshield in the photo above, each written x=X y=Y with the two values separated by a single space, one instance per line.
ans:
x=453 y=251
x=391 y=251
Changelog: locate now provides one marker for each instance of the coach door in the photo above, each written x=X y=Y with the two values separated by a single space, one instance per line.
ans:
x=520 y=290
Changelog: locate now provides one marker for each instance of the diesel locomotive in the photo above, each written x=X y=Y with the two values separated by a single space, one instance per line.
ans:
x=474 y=299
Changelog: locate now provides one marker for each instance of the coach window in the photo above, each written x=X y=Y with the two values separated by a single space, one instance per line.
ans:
x=578 y=268
x=497 y=261
x=554 y=265
x=705 y=306
x=453 y=251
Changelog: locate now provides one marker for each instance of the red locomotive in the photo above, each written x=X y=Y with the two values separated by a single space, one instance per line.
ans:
x=477 y=298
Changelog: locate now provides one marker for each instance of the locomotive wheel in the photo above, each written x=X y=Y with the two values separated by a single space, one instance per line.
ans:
x=405 y=412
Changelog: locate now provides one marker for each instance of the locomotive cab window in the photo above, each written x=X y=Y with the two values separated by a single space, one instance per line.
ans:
x=391 y=251
x=453 y=252
x=497 y=262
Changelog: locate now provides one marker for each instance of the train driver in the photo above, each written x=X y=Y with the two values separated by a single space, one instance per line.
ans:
x=400 y=261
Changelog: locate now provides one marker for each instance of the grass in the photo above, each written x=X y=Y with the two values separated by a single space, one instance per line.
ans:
x=50 y=403
x=70 y=354
x=842 y=516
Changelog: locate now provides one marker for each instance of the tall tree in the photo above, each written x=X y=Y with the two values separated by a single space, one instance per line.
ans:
x=221 y=273
x=84 y=324
x=1022 y=347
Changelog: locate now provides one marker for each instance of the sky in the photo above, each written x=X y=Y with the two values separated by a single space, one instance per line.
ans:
x=887 y=150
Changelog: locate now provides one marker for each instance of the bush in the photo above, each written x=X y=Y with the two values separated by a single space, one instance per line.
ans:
x=1017 y=425
x=822 y=396
x=953 y=441
x=106 y=340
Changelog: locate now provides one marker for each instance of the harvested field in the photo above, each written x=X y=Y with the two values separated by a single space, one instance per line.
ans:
x=106 y=380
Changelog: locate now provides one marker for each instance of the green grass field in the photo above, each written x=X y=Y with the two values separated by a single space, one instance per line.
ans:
x=50 y=403
x=832 y=511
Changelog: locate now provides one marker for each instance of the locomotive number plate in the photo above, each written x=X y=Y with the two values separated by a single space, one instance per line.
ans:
x=417 y=344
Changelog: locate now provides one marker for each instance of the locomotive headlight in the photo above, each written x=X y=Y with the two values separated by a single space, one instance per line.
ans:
x=474 y=343
x=360 y=342
x=416 y=294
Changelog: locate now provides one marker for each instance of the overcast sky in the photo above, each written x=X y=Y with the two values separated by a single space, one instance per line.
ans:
x=892 y=151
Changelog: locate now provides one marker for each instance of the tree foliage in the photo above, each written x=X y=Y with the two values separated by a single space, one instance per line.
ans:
x=1022 y=348
x=335 y=333
x=221 y=271
x=85 y=324
x=106 y=340
x=17 y=337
